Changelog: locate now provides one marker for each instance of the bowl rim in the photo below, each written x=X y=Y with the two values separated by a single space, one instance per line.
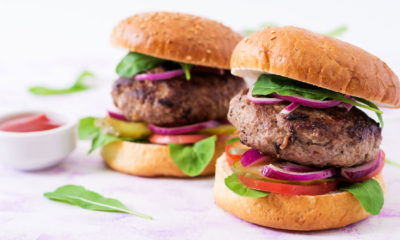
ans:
x=70 y=122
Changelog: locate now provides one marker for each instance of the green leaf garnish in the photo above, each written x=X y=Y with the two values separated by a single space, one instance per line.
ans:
x=87 y=129
x=369 y=193
x=337 y=31
x=78 y=86
x=268 y=84
x=186 y=68
x=79 y=196
x=232 y=140
x=247 y=32
x=192 y=160
x=236 y=186
x=134 y=63
x=393 y=163
x=371 y=104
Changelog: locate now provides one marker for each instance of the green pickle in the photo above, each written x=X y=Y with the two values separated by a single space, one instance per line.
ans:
x=254 y=171
x=123 y=129
x=225 y=129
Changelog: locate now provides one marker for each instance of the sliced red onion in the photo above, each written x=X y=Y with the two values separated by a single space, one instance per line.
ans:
x=159 y=76
x=252 y=156
x=309 y=102
x=289 y=108
x=217 y=71
x=183 y=129
x=272 y=171
x=288 y=166
x=353 y=173
x=262 y=100
x=117 y=115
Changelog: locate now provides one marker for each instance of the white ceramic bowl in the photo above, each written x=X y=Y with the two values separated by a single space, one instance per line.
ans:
x=38 y=150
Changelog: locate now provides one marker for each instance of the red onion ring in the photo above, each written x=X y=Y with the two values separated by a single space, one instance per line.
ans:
x=353 y=173
x=272 y=171
x=262 y=100
x=309 y=102
x=117 y=115
x=252 y=156
x=289 y=108
x=295 y=167
x=159 y=76
x=183 y=129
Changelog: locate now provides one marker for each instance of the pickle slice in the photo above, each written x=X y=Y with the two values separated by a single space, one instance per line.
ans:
x=123 y=129
x=219 y=130
x=254 y=171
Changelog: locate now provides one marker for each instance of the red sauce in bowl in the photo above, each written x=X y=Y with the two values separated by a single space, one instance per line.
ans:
x=29 y=123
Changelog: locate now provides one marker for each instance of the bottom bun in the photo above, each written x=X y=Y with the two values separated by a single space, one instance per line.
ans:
x=298 y=212
x=149 y=160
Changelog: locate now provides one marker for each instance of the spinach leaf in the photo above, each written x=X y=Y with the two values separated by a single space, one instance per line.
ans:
x=102 y=139
x=192 y=160
x=79 y=196
x=232 y=140
x=236 y=186
x=186 y=68
x=371 y=104
x=267 y=84
x=369 y=193
x=134 y=63
x=78 y=86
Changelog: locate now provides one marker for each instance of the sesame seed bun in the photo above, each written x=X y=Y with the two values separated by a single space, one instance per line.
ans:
x=319 y=60
x=149 y=160
x=177 y=37
x=297 y=212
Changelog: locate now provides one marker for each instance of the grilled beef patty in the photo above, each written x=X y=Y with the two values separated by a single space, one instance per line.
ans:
x=315 y=137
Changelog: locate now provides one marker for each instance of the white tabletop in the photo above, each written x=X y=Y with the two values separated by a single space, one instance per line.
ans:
x=50 y=43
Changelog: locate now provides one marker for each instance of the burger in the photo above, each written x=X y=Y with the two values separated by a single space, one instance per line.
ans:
x=172 y=96
x=308 y=158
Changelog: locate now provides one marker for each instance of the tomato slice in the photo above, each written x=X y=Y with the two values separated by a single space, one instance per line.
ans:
x=288 y=189
x=31 y=123
x=177 y=139
x=373 y=173
x=234 y=151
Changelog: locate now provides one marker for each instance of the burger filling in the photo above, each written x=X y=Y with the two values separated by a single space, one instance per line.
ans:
x=298 y=139
x=169 y=103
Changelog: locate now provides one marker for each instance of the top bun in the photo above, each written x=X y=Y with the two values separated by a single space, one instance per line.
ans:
x=177 y=37
x=319 y=60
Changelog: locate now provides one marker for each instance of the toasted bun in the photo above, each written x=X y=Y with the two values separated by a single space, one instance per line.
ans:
x=280 y=211
x=149 y=160
x=178 y=37
x=319 y=60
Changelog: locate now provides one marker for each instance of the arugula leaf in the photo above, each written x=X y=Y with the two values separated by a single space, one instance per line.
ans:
x=337 y=31
x=79 y=196
x=369 y=193
x=247 y=32
x=78 y=86
x=232 y=140
x=192 y=160
x=267 y=84
x=236 y=186
x=87 y=129
x=371 y=104
x=393 y=163
x=134 y=63
x=102 y=139
x=186 y=68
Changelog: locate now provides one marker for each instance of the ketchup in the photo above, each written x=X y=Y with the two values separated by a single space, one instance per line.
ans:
x=30 y=123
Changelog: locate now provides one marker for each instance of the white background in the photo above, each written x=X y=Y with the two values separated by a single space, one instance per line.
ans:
x=51 y=42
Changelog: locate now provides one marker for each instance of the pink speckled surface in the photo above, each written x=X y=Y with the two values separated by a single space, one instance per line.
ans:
x=49 y=43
